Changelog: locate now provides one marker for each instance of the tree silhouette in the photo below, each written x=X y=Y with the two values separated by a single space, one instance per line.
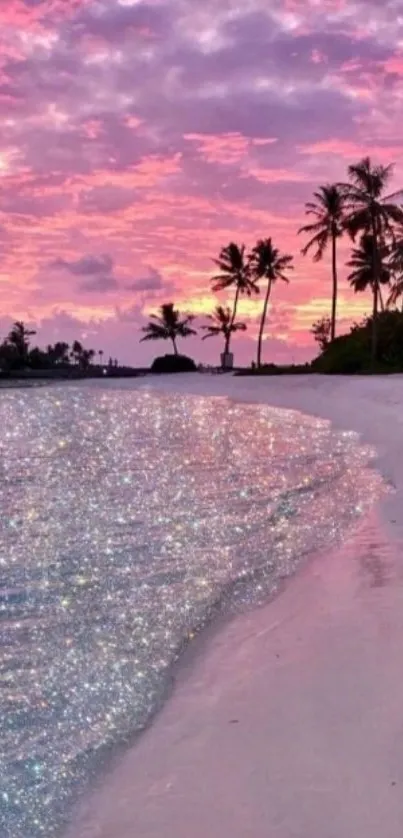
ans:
x=363 y=274
x=58 y=354
x=395 y=264
x=234 y=272
x=18 y=338
x=396 y=290
x=86 y=359
x=268 y=263
x=221 y=324
x=82 y=357
x=168 y=325
x=328 y=211
x=368 y=211
x=321 y=331
x=76 y=351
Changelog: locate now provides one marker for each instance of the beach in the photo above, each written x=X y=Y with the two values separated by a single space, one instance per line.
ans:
x=287 y=720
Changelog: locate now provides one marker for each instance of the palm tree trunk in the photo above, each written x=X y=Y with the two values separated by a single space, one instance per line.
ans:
x=381 y=300
x=262 y=324
x=174 y=345
x=375 y=255
x=374 y=321
x=334 y=295
x=234 y=310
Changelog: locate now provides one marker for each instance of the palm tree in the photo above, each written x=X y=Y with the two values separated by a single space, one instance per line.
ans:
x=167 y=325
x=369 y=211
x=221 y=324
x=82 y=357
x=19 y=339
x=362 y=276
x=87 y=357
x=235 y=272
x=395 y=264
x=396 y=290
x=328 y=210
x=101 y=355
x=268 y=263
x=76 y=352
x=59 y=353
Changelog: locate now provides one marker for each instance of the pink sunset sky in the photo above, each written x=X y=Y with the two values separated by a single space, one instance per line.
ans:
x=138 y=138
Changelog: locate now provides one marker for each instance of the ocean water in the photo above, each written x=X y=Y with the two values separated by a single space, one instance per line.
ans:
x=128 y=519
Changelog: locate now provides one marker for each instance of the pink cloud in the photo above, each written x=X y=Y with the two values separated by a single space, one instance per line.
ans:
x=394 y=64
x=276 y=175
x=225 y=148
x=352 y=150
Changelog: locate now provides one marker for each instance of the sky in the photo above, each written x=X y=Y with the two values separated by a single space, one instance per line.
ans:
x=139 y=137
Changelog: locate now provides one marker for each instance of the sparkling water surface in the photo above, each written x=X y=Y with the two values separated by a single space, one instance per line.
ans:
x=128 y=518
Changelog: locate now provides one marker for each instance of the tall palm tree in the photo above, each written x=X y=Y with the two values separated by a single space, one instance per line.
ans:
x=268 y=263
x=362 y=276
x=168 y=325
x=328 y=211
x=19 y=339
x=235 y=272
x=221 y=324
x=369 y=211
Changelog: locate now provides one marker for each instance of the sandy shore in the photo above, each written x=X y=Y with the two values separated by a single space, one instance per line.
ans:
x=290 y=723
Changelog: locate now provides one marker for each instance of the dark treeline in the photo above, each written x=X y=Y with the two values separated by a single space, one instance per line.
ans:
x=359 y=209
x=16 y=353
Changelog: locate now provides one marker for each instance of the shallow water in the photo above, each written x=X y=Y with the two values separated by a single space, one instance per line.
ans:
x=128 y=518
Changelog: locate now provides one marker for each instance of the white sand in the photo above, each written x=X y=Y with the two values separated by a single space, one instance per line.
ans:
x=290 y=723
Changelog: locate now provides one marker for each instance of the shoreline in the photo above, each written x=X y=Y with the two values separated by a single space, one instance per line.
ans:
x=172 y=795
x=201 y=767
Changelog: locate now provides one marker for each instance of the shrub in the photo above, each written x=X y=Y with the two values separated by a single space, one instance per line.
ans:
x=173 y=363
x=343 y=356
x=351 y=353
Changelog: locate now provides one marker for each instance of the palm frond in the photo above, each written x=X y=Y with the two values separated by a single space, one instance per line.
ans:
x=396 y=291
x=212 y=332
x=235 y=270
x=168 y=325
x=320 y=241
x=267 y=261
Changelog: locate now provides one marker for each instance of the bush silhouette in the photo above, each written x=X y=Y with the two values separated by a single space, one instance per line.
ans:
x=173 y=363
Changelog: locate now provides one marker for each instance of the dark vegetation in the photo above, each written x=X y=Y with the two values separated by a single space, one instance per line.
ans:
x=19 y=360
x=276 y=369
x=352 y=353
x=173 y=363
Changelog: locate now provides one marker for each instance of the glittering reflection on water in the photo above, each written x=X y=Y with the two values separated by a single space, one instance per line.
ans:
x=127 y=517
